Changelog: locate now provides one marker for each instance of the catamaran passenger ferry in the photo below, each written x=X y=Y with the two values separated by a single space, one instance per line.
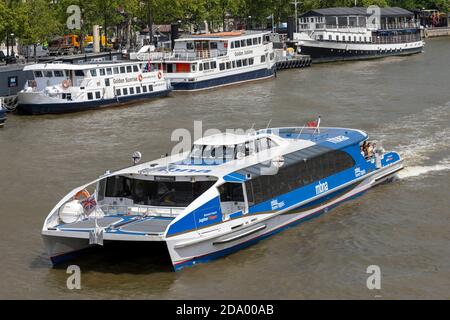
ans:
x=216 y=59
x=227 y=193
x=338 y=34
x=60 y=88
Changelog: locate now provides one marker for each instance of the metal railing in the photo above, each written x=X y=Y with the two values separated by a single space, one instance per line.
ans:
x=112 y=210
x=181 y=55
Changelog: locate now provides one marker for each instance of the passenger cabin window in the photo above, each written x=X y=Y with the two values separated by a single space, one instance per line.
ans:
x=93 y=73
x=58 y=73
x=300 y=174
x=90 y=96
x=102 y=72
x=97 y=95
x=48 y=74
x=122 y=69
x=129 y=69
x=109 y=71
x=135 y=68
x=156 y=193
x=38 y=74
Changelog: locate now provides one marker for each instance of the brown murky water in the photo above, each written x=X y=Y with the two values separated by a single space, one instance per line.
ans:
x=403 y=227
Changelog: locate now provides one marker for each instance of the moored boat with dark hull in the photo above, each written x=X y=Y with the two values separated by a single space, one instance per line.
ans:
x=343 y=34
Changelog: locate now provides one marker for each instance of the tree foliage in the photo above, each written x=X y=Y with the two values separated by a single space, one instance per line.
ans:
x=39 y=20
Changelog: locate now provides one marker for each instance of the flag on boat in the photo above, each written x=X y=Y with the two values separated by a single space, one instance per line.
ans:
x=314 y=124
x=89 y=204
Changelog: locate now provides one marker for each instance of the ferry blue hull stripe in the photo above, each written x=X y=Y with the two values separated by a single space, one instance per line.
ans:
x=224 y=252
x=198 y=85
x=51 y=108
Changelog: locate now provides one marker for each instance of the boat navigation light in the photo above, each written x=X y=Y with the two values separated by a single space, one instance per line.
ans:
x=137 y=156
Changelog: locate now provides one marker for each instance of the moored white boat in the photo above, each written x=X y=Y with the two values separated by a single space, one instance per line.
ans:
x=61 y=88
x=227 y=193
x=215 y=60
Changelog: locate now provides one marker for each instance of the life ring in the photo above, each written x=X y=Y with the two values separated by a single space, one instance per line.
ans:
x=82 y=195
x=140 y=77
x=159 y=75
x=66 y=84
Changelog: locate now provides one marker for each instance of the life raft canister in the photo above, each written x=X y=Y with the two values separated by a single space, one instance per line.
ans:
x=82 y=195
x=140 y=77
x=160 y=74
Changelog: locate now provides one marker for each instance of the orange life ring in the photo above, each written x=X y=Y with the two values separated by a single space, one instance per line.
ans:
x=82 y=195
x=140 y=77
x=66 y=84
x=159 y=75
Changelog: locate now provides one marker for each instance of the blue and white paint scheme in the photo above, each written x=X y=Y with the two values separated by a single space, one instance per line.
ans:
x=2 y=114
x=62 y=88
x=227 y=193
x=215 y=60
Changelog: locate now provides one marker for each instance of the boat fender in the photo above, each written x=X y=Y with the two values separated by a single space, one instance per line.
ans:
x=66 y=84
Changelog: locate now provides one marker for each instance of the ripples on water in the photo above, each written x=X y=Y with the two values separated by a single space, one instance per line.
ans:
x=403 y=227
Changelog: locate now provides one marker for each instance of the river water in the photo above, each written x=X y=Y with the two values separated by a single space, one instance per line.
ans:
x=402 y=227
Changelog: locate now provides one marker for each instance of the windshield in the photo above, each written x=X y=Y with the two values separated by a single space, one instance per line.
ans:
x=155 y=193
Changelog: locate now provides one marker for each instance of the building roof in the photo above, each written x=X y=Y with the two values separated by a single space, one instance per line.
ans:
x=357 y=11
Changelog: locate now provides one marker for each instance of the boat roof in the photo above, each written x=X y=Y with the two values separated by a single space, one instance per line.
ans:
x=357 y=11
x=69 y=66
x=301 y=143
x=222 y=35
x=228 y=139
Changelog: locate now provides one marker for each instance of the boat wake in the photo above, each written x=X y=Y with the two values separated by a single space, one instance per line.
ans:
x=423 y=141
x=416 y=171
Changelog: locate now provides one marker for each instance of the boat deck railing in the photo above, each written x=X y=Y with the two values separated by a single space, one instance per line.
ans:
x=182 y=55
x=114 y=210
